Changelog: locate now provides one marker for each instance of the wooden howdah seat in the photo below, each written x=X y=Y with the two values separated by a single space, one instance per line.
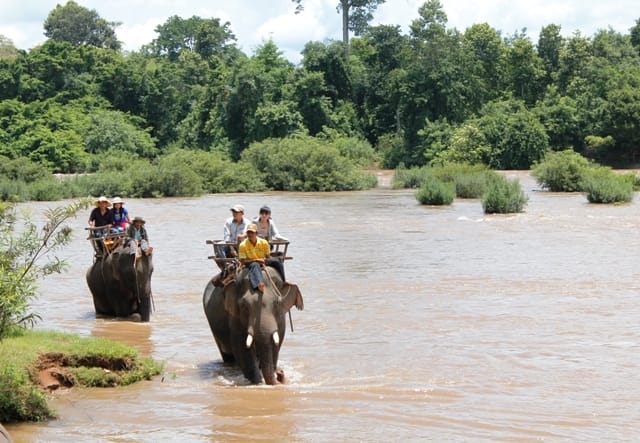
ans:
x=278 y=250
x=105 y=244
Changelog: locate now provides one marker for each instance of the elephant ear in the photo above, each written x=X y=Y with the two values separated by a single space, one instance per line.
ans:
x=291 y=296
x=231 y=299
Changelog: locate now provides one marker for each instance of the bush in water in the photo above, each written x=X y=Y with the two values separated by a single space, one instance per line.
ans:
x=503 y=196
x=436 y=192
x=605 y=186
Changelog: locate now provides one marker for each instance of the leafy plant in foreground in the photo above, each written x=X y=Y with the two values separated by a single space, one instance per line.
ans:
x=21 y=254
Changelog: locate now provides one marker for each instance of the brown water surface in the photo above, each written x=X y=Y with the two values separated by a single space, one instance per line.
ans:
x=420 y=324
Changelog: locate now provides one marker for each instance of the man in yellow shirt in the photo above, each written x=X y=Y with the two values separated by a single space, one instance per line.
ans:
x=255 y=252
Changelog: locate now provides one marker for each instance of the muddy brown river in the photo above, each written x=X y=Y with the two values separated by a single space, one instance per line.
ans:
x=420 y=324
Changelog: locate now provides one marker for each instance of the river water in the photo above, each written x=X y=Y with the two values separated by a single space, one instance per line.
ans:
x=420 y=324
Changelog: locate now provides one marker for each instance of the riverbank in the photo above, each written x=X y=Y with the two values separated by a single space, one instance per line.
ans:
x=34 y=364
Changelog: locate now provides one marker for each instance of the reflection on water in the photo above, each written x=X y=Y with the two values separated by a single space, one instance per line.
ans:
x=420 y=323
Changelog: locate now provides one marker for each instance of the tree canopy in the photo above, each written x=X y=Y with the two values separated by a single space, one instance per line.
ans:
x=429 y=95
x=80 y=26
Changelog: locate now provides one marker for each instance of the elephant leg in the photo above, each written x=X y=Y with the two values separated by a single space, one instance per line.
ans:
x=97 y=287
x=217 y=317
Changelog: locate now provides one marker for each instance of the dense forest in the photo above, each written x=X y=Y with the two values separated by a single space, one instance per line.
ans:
x=434 y=95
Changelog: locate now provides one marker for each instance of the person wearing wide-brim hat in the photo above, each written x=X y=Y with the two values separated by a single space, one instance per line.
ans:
x=121 y=217
x=101 y=216
x=138 y=232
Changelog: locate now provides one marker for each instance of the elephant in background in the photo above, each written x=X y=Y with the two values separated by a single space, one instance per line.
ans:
x=249 y=326
x=120 y=283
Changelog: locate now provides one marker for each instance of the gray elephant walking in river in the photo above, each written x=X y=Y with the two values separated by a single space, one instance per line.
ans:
x=120 y=283
x=249 y=326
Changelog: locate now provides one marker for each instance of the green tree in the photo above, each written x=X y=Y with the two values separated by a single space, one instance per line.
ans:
x=516 y=136
x=524 y=69
x=550 y=43
x=468 y=145
x=23 y=248
x=487 y=50
x=356 y=15
x=575 y=58
x=312 y=103
x=441 y=81
x=327 y=59
x=115 y=130
x=206 y=37
x=80 y=26
x=380 y=95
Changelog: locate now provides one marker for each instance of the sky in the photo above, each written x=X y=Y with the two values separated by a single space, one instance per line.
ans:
x=256 y=21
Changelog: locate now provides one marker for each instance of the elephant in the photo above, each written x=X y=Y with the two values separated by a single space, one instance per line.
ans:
x=248 y=326
x=120 y=283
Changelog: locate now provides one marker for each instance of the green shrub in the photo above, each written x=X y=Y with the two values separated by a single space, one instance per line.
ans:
x=436 y=192
x=602 y=185
x=472 y=185
x=410 y=178
x=106 y=183
x=304 y=164
x=178 y=179
x=561 y=171
x=19 y=399
x=358 y=151
x=503 y=196
x=216 y=172
x=50 y=189
x=471 y=180
x=22 y=169
x=13 y=190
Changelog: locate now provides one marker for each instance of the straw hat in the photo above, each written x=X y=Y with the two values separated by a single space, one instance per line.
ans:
x=140 y=219
x=252 y=228
x=117 y=200
x=100 y=199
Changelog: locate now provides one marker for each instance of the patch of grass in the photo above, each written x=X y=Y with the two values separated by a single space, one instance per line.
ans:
x=94 y=362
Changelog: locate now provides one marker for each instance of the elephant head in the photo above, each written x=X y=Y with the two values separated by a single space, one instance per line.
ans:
x=257 y=322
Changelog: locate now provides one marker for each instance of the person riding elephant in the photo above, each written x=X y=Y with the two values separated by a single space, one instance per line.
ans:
x=254 y=252
x=138 y=232
x=248 y=326
x=120 y=283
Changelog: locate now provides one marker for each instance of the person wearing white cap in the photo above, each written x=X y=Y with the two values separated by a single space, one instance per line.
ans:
x=234 y=231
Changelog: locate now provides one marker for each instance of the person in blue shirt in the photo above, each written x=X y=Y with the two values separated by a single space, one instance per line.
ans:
x=121 y=219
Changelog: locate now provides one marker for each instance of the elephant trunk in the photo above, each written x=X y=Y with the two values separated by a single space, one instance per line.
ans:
x=266 y=352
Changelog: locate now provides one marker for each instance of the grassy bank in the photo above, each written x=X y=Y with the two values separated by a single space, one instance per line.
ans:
x=35 y=363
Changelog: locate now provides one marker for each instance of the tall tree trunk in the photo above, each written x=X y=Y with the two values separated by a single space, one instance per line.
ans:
x=345 y=26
